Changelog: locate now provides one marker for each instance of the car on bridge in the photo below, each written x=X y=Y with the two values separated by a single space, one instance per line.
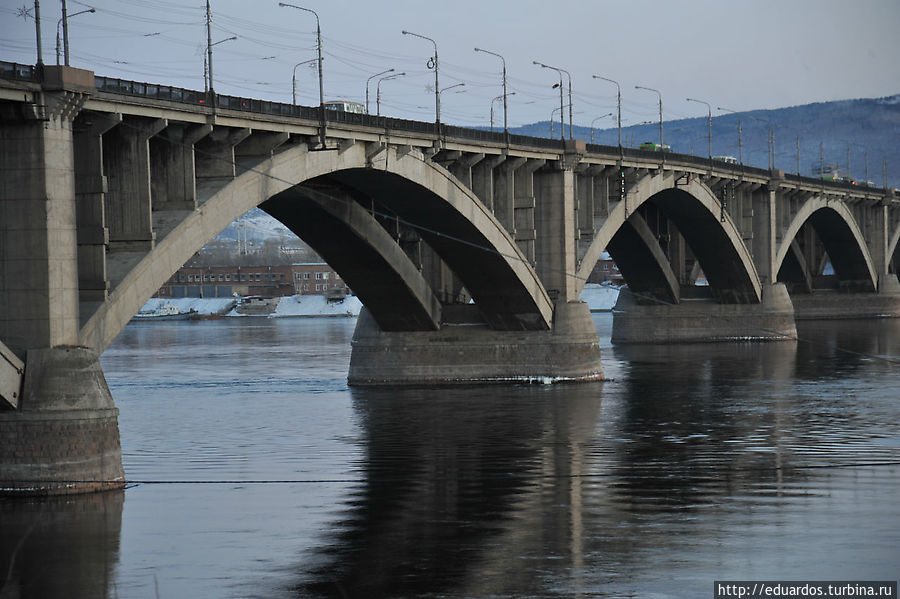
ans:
x=654 y=147
x=725 y=159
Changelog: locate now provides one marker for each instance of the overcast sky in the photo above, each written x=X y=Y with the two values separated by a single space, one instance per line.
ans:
x=738 y=55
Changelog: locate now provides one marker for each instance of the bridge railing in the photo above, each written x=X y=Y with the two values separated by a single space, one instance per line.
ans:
x=18 y=72
x=23 y=72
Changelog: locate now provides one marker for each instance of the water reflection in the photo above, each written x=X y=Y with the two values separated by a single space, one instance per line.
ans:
x=60 y=547
x=695 y=463
x=448 y=474
x=551 y=492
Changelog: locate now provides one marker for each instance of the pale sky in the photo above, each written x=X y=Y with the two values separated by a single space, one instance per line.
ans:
x=738 y=55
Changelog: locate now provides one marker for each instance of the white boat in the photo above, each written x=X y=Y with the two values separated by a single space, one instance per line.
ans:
x=166 y=311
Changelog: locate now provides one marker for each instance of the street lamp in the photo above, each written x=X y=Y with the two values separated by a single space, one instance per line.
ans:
x=367 y=85
x=597 y=119
x=378 y=91
x=64 y=21
x=740 y=137
x=505 y=121
x=562 y=123
x=562 y=133
x=560 y=71
x=657 y=92
x=708 y=124
x=503 y=97
x=450 y=87
x=618 y=103
x=437 y=85
x=209 y=61
x=294 y=79
x=319 y=49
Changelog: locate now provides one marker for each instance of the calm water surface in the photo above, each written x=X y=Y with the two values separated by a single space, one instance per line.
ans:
x=259 y=473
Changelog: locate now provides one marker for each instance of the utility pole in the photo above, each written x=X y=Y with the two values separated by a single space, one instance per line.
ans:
x=437 y=85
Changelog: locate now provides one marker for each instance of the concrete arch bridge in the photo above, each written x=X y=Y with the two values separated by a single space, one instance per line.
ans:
x=469 y=249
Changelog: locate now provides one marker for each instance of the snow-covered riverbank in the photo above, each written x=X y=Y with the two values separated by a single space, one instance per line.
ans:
x=600 y=298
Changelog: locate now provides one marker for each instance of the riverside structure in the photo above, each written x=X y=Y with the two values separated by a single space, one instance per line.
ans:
x=469 y=249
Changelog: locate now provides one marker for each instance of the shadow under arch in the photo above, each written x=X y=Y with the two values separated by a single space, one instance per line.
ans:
x=707 y=229
x=843 y=241
x=532 y=308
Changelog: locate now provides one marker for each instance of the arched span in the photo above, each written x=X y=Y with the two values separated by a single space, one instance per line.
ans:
x=292 y=167
x=697 y=213
x=843 y=241
x=643 y=263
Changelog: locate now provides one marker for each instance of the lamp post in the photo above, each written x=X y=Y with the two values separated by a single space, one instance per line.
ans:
x=449 y=87
x=618 y=104
x=740 y=137
x=437 y=85
x=321 y=82
x=657 y=92
x=562 y=133
x=505 y=121
x=562 y=123
x=64 y=21
x=597 y=119
x=708 y=124
x=378 y=91
x=209 y=87
x=294 y=79
x=503 y=97
x=367 y=85
x=561 y=71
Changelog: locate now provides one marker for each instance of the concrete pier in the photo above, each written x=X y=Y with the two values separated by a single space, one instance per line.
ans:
x=840 y=305
x=64 y=437
x=473 y=353
x=704 y=320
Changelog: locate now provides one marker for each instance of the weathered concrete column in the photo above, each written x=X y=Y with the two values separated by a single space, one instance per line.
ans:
x=524 y=206
x=554 y=192
x=765 y=233
x=126 y=162
x=504 y=193
x=90 y=192
x=173 y=176
x=61 y=436
x=38 y=257
x=887 y=281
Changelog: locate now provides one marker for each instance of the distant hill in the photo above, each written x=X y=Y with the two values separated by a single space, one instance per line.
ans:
x=861 y=125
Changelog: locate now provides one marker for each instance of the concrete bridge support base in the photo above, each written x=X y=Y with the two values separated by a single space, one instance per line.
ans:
x=64 y=437
x=697 y=321
x=464 y=354
x=832 y=305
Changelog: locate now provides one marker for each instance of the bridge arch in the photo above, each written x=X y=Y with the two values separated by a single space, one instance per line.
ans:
x=710 y=232
x=839 y=232
x=422 y=190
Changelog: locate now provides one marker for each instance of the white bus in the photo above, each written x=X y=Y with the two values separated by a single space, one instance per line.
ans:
x=342 y=106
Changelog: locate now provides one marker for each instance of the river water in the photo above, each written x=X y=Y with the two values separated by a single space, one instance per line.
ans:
x=258 y=473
